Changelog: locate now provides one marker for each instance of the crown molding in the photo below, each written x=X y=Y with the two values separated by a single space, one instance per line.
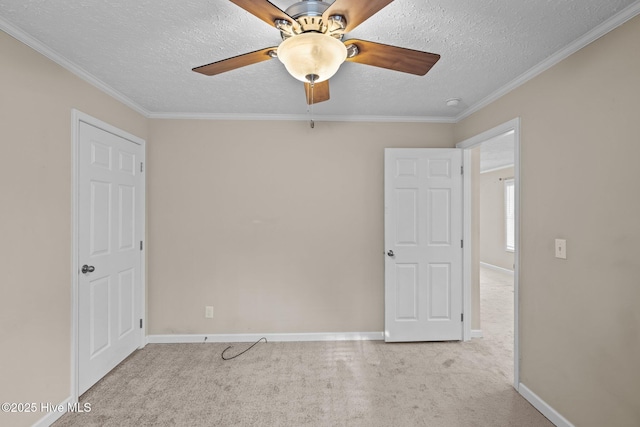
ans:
x=610 y=24
x=301 y=117
x=41 y=48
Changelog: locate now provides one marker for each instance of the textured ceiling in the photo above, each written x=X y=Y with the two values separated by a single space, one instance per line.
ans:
x=144 y=50
x=498 y=152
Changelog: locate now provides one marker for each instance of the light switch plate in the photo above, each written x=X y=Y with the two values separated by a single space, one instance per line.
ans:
x=561 y=248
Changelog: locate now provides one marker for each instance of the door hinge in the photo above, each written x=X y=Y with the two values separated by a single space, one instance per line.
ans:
x=462 y=243
x=461 y=170
x=140 y=244
x=141 y=167
x=140 y=323
x=462 y=317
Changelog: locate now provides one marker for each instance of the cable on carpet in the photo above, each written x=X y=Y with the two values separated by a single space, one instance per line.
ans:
x=240 y=354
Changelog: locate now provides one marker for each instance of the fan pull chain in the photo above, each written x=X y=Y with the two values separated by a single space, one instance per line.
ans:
x=311 y=78
x=311 y=123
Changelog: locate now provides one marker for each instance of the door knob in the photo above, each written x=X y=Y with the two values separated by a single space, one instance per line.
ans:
x=390 y=253
x=88 y=269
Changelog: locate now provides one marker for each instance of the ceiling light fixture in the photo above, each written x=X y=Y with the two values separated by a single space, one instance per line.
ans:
x=312 y=57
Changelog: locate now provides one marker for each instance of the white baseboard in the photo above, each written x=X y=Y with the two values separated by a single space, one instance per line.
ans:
x=544 y=408
x=476 y=333
x=315 y=336
x=495 y=267
x=53 y=416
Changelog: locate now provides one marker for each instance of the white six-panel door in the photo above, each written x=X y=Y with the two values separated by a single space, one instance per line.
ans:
x=423 y=244
x=110 y=216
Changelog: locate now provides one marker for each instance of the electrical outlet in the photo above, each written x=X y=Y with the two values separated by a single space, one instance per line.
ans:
x=208 y=312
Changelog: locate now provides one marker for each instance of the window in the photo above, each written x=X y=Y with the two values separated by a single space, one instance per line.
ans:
x=509 y=214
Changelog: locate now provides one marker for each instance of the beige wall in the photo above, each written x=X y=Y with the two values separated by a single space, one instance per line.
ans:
x=36 y=98
x=492 y=219
x=579 y=318
x=278 y=226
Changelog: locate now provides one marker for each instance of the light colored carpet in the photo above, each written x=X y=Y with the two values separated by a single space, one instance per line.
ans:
x=353 y=383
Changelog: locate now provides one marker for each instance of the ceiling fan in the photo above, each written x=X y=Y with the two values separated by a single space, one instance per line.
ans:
x=312 y=49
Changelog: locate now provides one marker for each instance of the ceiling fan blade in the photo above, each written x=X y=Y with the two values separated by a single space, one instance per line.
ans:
x=393 y=57
x=355 y=11
x=239 y=61
x=264 y=10
x=320 y=92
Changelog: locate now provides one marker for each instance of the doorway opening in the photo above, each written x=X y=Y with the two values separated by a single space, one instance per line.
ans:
x=495 y=277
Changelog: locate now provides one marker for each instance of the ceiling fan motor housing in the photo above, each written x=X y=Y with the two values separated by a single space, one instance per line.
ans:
x=308 y=17
x=307 y=8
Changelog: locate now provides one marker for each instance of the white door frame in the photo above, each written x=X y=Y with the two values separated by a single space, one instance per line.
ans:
x=76 y=118
x=512 y=125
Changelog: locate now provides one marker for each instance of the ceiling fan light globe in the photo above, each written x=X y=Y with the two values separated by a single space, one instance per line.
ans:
x=312 y=54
